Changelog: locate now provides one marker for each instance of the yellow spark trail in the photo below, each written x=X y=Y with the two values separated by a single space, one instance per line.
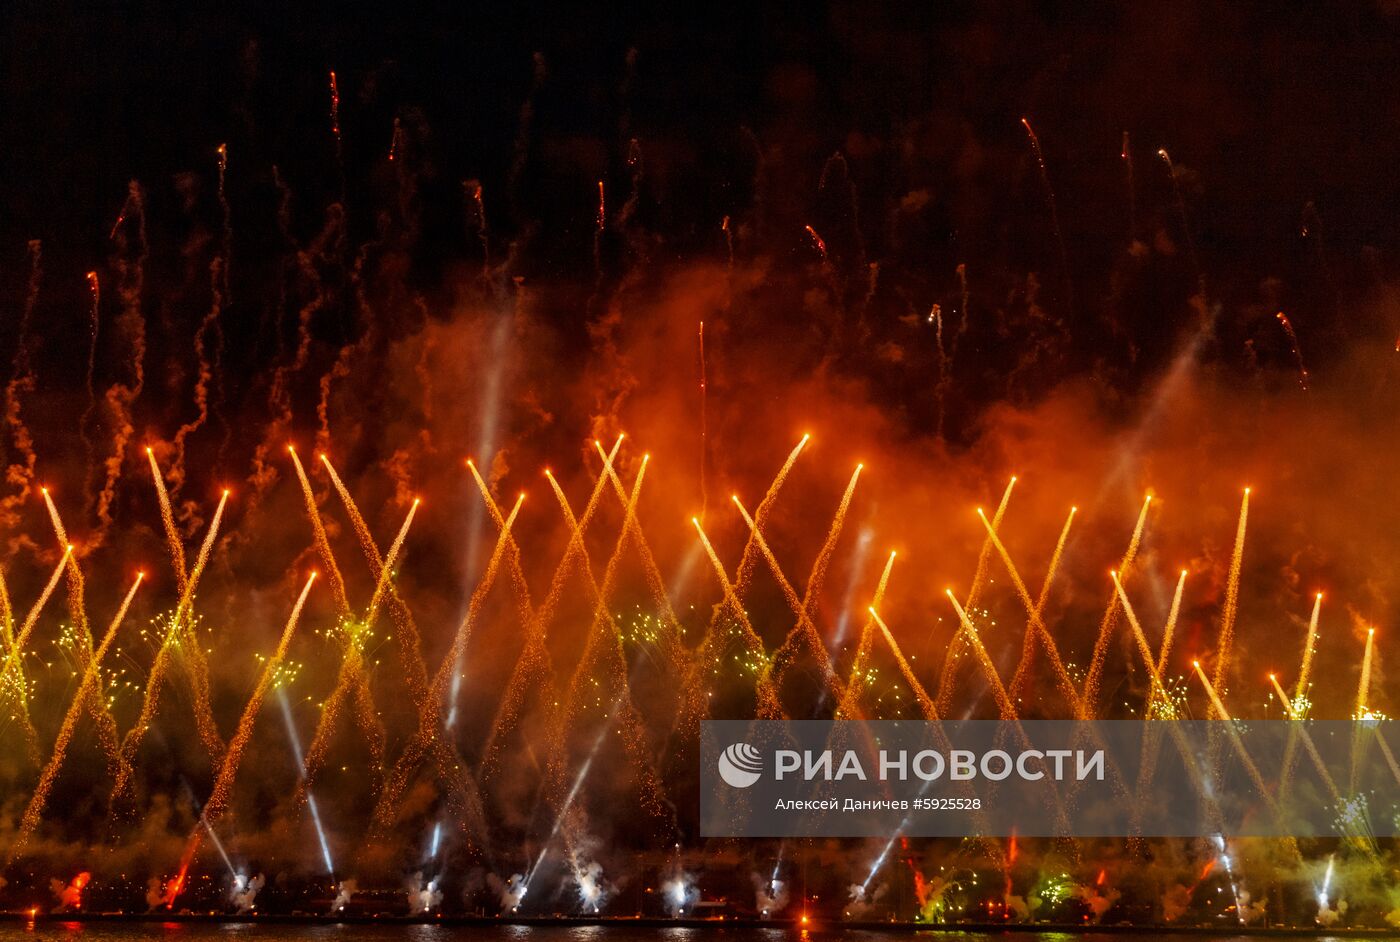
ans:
x=167 y=517
x=1139 y=636
x=602 y=616
x=1008 y=709
x=33 y=614
x=1169 y=632
x=1306 y=739
x=525 y=608
x=353 y=680
x=534 y=664
x=1389 y=756
x=430 y=723
x=13 y=673
x=710 y=649
x=1231 y=609
x=599 y=636
x=1363 y=687
x=921 y=695
x=656 y=583
x=773 y=669
x=1033 y=612
x=1110 y=617
x=20 y=683
x=926 y=705
x=223 y=783
x=385 y=580
x=849 y=704
x=1234 y=734
x=1157 y=707
x=1021 y=675
x=160 y=665
x=108 y=738
x=88 y=687
x=808 y=603
x=1299 y=693
x=1004 y=704
x=602 y=613
x=1363 y=691
x=1301 y=730
x=410 y=639
x=323 y=543
x=194 y=659
x=1188 y=756
x=768 y=705
x=1309 y=646
x=947 y=681
x=748 y=559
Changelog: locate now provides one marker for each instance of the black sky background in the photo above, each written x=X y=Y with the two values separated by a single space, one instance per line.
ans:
x=1281 y=121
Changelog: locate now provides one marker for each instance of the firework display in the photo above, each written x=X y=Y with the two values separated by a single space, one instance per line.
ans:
x=377 y=536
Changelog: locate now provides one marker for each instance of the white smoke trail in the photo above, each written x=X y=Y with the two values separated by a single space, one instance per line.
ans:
x=423 y=897
x=301 y=771
x=510 y=892
x=770 y=895
x=344 y=891
x=245 y=891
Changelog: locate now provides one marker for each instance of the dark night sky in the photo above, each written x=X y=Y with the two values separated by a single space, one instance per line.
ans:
x=1264 y=109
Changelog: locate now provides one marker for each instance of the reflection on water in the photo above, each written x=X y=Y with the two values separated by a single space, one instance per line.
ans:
x=273 y=932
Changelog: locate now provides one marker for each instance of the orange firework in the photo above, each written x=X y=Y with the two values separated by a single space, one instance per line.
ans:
x=94 y=321
x=1034 y=609
x=88 y=688
x=768 y=706
x=1287 y=326
x=849 y=707
x=194 y=660
x=131 y=328
x=952 y=661
x=600 y=220
x=534 y=661
x=1110 y=616
x=404 y=625
x=20 y=473
x=603 y=650
x=427 y=742
x=1029 y=642
x=83 y=640
x=925 y=702
x=1230 y=611
x=784 y=657
x=335 y=108
x=353 y=679
x=1233 y=732
x=1054 y=210
x=12 y=677
x=223 y=782
x=156 y=681
x=989 y=670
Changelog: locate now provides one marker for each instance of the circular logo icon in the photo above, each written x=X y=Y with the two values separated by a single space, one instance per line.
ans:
x=740 y=765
